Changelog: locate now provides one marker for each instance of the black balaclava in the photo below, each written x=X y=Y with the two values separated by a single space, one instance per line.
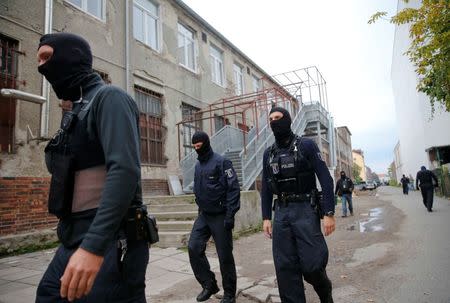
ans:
x=342 y=174
x=282 y=127
x=200 y=136
x=69 y=65
x=422 y=168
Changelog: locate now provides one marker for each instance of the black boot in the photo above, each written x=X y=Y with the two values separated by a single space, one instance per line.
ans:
x=228 y=299
x=207 y=293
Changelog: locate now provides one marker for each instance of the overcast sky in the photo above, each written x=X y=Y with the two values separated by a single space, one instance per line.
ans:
x=353 y=56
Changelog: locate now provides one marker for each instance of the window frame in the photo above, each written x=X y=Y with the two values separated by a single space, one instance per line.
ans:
x=193 y=125
x=83 y=8
x=256 y=79
x=149 y=118
x=185 y=49
x=215 y=59
x=146 y=15
x=238 y=71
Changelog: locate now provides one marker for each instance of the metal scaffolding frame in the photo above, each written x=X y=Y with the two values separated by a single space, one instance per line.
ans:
x=290 y=89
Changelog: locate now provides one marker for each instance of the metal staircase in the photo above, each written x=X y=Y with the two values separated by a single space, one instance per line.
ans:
x=247 y=160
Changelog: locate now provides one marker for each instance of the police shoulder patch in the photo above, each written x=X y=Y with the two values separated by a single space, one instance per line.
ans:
x=229 y=172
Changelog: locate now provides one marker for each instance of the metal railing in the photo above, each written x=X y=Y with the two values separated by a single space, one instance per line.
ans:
x=228 y=138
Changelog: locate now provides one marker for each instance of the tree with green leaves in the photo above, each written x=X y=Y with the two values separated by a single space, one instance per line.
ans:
x=430 y=46
x=356 y=170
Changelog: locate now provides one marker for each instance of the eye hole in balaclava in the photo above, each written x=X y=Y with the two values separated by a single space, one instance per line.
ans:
x=69 y=65
x=282 y=127
x=200 y=136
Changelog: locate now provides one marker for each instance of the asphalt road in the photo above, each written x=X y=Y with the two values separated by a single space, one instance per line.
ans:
x=422 y=270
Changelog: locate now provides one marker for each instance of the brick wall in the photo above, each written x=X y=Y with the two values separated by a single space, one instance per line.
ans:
x=23 y=202
x=23 y=205
x=155 y=187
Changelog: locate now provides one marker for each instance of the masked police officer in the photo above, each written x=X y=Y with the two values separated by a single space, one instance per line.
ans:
x=344 y=189
x=217 y=194
x=424 y=181
x=290 y=168
x=94 y=160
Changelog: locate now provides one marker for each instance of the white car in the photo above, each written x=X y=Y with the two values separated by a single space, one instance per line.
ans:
x=370 y=185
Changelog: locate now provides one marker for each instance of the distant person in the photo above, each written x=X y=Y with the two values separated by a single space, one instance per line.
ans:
x=424 y=180
x=344 y=189
x=405 y=184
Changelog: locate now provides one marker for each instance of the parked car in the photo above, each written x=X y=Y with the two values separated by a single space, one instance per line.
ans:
x=370 y=185
x=360 y=186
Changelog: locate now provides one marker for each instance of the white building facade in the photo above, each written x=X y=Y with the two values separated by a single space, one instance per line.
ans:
x=424 y=139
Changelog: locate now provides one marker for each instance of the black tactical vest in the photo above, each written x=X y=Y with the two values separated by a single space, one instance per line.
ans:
x=289 y=170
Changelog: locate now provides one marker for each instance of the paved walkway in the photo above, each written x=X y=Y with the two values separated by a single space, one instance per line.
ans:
x=20 y=276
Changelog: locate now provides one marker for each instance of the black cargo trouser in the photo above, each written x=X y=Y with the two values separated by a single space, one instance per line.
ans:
x=204 y=227
x=299 y=251
x=115 y=282
x=427 y=195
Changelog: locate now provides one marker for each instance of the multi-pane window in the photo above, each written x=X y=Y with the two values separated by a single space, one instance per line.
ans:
x=187 y=47
x=146 y=23
x=219 y=122
x=150 y=121
x=256 y=84
x=238 y=79
x=191 y=125
x=93 y=7
x=8 y=77
x=105 y=77
x=217 y=74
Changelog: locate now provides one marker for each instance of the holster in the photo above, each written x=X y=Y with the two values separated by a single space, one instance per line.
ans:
x=316 y=199
x=61 y=184
x=138 y=225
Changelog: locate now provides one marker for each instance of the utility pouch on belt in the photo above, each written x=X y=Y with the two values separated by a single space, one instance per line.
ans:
x=61 y=185
x=140 y=226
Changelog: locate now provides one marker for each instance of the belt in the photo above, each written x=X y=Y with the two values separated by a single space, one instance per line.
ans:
x=294 y=198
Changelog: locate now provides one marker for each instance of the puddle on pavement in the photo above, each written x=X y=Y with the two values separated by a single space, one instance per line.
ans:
x=370 y=253
x=374 y=222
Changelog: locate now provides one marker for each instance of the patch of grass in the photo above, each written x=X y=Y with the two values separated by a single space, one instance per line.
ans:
x=28 y=249
x=247 y=232
x=183 y=249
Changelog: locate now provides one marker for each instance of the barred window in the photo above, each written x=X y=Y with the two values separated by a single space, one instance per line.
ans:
x=8 y=76
x=150 y=121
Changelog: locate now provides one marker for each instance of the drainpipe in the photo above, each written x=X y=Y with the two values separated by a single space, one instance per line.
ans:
x=127 y=46
x=45 y=108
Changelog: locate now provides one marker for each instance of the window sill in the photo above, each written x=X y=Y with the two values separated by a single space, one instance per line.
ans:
x=188 y=69
x=139 y=42
x=102 y=19
x=153 y=165
x=219 y=85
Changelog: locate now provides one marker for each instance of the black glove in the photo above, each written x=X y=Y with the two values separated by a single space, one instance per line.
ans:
x=228 y=223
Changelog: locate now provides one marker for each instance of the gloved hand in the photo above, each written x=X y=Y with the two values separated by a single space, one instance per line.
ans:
x=228 y=223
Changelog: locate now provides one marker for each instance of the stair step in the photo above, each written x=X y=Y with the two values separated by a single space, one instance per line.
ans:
x=185 y=226
x=179 y=215
x=164 y=200
x=161 y=208
x=173 y=239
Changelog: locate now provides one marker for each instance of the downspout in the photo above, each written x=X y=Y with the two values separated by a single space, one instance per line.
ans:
x=45 y=108
x=127 y=46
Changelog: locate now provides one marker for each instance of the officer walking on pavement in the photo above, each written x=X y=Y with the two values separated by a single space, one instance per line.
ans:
x=217 y=194
x=405 y=184
x=424 y=180
x=290 y=167
x=94 y=159
x=344 y=189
